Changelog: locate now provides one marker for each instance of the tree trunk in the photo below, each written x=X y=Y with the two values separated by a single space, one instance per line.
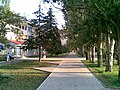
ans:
x=93 y=54
x=112 y=44
x=118 y=54
x=89 y=56
x=107 y=52
x=82 y=51
x=100 y=62
x=89 y=53
x=86 y=54
x=39 y=53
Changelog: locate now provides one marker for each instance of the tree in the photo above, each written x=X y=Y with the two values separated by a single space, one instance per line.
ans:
x=104 y=14
x=5 y=3
x=46 y=33
x=50 y=35
x=7 y=18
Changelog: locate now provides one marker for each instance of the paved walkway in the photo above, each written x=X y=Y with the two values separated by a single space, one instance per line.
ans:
x=71 y=75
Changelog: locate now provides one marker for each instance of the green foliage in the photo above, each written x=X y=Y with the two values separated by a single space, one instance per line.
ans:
x=5 y=3
x=46 y=34
x=2 y=58
x=86 y=19
x=30 y=44
x=7 y=18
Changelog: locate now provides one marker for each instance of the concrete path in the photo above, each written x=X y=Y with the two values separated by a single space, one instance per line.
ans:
x=71 y=75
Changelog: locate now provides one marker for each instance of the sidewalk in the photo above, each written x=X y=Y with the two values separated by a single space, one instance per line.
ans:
x=71 y=75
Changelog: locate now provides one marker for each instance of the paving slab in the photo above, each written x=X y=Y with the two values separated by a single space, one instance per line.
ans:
x=46 y=69
x=71 y=75
x=50 y=68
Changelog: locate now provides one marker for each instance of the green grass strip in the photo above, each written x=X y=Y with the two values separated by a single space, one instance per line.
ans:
x=109 y=79
x=22 y=76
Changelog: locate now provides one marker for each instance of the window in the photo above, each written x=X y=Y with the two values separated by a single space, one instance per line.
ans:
x=30 y=29
x=30 y=37
x=22 y=27
x=25 y=27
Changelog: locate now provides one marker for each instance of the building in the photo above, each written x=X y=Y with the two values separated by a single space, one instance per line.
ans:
x=23 y=32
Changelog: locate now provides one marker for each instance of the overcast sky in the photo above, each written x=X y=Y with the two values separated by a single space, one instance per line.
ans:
x=27 y=7
x=24 y=7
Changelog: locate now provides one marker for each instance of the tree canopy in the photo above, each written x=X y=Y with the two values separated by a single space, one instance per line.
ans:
x=46 y=33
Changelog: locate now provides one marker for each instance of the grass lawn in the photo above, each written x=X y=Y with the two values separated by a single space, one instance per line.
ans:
x=22 y=76
x=109 y=79
x=2 y=58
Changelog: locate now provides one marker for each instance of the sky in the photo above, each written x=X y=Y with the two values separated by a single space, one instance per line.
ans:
x=28 y=7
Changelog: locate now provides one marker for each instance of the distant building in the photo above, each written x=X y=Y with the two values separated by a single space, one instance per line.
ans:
x=23 y=32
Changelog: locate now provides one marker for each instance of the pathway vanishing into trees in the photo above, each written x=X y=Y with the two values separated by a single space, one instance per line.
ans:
x=71 y=74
